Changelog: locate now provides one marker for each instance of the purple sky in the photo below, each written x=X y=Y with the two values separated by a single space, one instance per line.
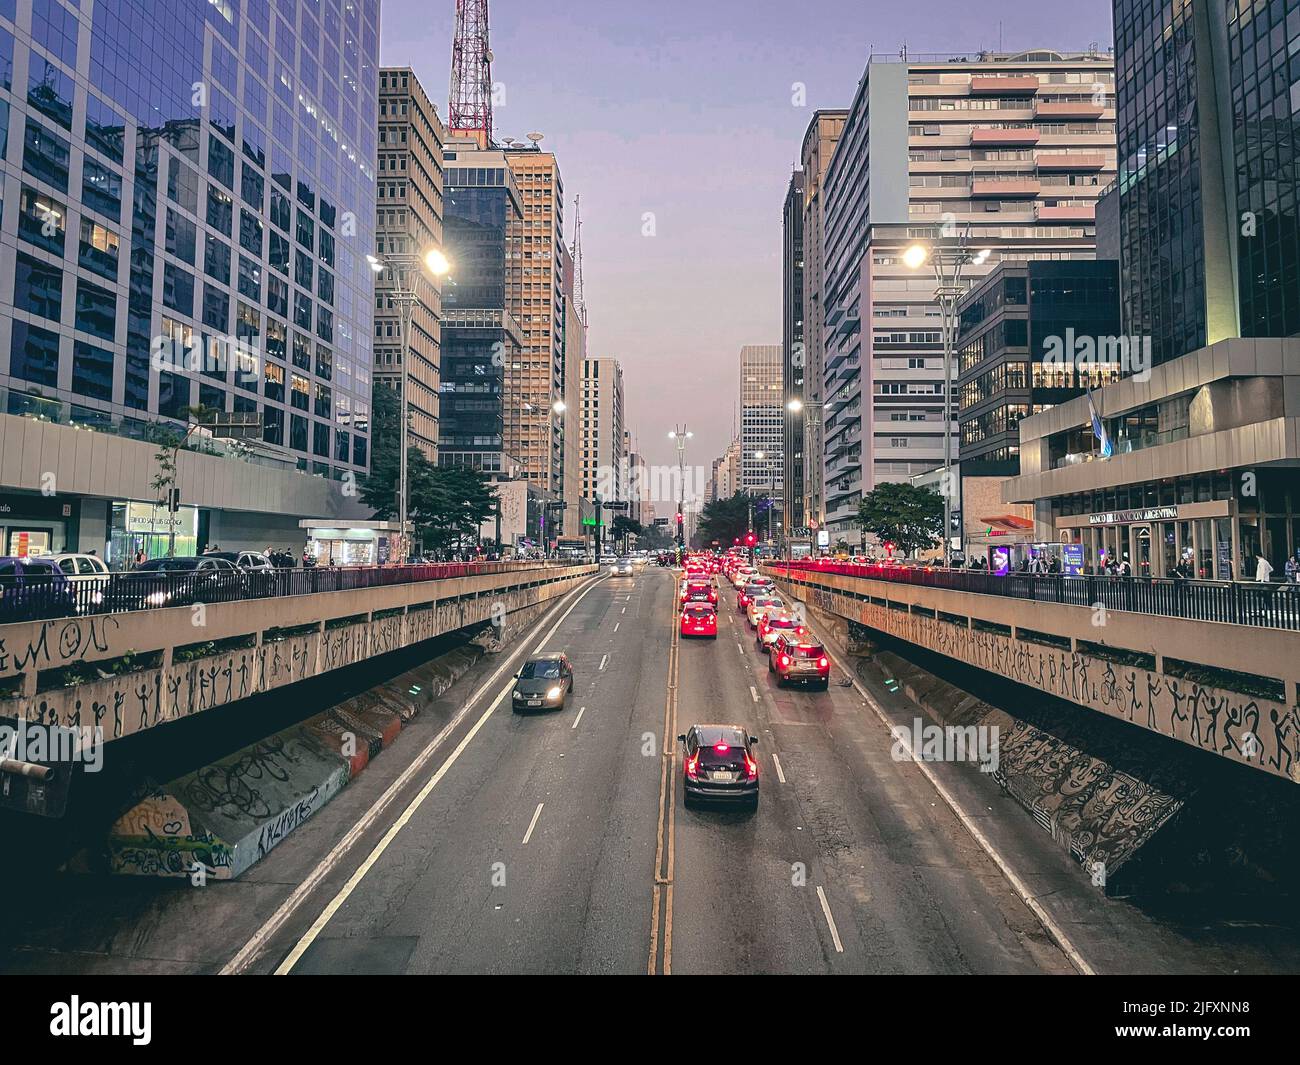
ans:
x=683 y=108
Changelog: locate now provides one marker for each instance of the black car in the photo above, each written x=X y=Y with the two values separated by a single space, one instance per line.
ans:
x=544 y=682
x=719 y=765
x=177 y=581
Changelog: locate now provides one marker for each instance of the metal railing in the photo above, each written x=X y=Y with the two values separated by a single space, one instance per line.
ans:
x=41 y=597
x=1263 y=605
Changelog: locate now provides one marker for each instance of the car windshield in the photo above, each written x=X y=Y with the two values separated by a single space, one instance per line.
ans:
x=543 y=669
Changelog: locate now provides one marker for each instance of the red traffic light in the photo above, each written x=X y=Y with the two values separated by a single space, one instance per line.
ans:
x=679 y=519
x=736 y=540
x=749 y=539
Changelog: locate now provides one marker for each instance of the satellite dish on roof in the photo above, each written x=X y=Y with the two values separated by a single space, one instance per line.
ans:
x=535 y=137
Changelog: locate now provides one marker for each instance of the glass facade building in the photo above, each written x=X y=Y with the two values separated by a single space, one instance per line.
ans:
x=1208 y=98
x=1008 y=328
x=1264 y=81
x=481 y=205
x=189 y=197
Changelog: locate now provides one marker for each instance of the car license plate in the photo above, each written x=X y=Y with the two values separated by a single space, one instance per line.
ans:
x=806 y=667
x=722 y=777
x=534 y=702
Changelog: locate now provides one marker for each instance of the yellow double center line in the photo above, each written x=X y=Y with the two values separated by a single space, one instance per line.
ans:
x=661 y=913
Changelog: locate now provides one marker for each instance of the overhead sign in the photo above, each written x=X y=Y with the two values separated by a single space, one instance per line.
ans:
x=616 y=505
x=1127 y=517
x=823 y=538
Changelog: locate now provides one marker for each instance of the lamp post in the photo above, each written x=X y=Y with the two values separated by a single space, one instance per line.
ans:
x=403 y=265
x=679 y=436
x=948 y=264
x=544 y=418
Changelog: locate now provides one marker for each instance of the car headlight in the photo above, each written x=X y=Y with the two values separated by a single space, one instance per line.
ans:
x=518 y=694
x=554 y=693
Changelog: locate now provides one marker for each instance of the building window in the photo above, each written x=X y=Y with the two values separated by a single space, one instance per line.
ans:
x=92 y=371
x=96 y=309
x=34 y=355
x=38 y=287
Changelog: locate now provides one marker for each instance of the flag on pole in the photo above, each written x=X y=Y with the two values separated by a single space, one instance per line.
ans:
x=1098 y=429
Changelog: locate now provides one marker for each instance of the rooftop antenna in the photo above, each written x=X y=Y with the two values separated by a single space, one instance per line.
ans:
x=469 y=107
x=579 y=295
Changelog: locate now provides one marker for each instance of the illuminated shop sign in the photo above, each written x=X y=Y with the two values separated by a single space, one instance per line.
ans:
x=1125 y=517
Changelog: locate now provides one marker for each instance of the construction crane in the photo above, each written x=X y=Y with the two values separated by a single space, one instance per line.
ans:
x=469 y=108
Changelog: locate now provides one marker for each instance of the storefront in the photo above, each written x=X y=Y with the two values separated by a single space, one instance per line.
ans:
x=151 y=528
x=355 y=543
x=1215 y=531
x=36 y=524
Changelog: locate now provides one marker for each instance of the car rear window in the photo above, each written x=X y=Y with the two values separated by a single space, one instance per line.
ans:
x=712 y=735
x=699 y=609
x=808 y=651
x=780 y=623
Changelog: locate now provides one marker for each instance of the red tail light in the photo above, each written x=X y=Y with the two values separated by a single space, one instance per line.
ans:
x=692 y=765
x=751 y=767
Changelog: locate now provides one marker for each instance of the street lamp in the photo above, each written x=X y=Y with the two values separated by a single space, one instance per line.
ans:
x=679 y=435
x=812 y=409
x=544 y=417
x=948 y=264
x=404 y=264
x=771 y=492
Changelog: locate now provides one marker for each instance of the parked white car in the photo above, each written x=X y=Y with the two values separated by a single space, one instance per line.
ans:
x=81 y=570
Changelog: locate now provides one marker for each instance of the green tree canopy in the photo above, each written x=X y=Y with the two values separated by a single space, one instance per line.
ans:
x=725 y=520
x=444 y=503
x=909 y=517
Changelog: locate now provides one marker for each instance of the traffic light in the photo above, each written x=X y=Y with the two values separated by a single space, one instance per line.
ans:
x=750 y=539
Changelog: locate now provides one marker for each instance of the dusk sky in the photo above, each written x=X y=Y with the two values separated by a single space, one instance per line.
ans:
x=683 y=108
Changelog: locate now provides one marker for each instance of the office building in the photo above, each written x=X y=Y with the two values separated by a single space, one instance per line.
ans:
x=190 y=198
x=1009 y=150
x=793 y=356
x=604 y=460
x=535 y=380
x=1196 y=465
x=409 y=223
x=815 y=156
x=480 y=337
x=762 y=422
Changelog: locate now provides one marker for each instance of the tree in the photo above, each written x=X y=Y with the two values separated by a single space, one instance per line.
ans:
x=623 y=526
x=724 y=520
x=909 y=517
x=445 y=504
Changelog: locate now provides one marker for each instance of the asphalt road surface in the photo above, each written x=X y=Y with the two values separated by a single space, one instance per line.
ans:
x=557 y=842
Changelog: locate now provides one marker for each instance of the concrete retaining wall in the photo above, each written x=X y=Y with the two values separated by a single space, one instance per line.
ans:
x=1257 y=732
x=227 y=816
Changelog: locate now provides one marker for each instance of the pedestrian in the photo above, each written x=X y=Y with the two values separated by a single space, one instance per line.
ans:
x=139 y=558
x=1290 y=570
x=1125 y=570
x=1263 y=569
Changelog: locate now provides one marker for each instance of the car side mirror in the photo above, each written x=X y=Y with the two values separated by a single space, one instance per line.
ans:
x=753 y=740
x=681 y=738
x=516 y=676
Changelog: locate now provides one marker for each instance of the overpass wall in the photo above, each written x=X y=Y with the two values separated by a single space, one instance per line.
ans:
x=326 y=631
x=998 y=635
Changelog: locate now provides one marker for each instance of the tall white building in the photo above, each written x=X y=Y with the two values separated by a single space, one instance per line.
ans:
x=762 y=419
x=1016 y=147
x=604 y=458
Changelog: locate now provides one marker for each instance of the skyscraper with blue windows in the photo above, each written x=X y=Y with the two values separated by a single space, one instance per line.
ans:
x=188 y=200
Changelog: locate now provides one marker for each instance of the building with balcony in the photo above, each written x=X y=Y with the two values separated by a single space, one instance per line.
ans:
x=933 y=148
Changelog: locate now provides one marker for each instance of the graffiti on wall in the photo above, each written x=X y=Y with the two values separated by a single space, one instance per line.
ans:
x=1253 y=731
x=57 y=643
